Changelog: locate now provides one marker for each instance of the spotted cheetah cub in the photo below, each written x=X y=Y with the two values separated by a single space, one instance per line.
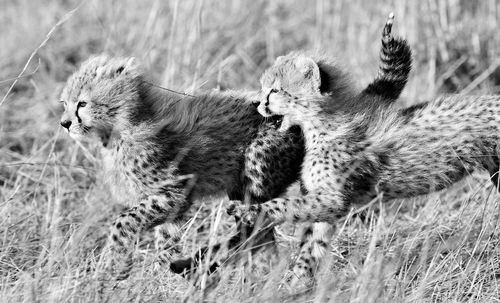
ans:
x=305 y=75
x=170 y=152
x=351 y=158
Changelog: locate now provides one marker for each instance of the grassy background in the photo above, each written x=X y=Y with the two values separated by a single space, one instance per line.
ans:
x=55 y=209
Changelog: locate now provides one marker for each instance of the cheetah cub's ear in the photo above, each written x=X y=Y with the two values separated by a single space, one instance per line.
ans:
x=131 y=64
x=127 y=65
x=280 y=59
x=310 y=70
x=105 y=67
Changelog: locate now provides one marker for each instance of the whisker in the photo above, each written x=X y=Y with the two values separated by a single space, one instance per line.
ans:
x=170 y=90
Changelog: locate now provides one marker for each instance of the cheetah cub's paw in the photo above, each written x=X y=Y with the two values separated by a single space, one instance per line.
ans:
x=247 y=213
x=301 y=277
x=285 y=124
x=298 y=284
x=233 y=208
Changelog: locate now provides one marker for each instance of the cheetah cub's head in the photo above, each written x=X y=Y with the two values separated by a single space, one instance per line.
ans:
x=294 y=76
x=99 y=98
x=301 y=84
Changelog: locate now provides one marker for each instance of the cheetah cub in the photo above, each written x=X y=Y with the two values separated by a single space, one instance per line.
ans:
x=352 y=158
x=168 y=153
x=301 y=75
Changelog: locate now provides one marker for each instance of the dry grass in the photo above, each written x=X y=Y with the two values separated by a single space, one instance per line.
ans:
x=55 y=209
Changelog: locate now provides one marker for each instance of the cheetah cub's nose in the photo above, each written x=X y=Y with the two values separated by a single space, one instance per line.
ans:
x=66 y=124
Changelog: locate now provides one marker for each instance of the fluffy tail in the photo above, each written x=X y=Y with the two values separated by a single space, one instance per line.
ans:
x=395 y=57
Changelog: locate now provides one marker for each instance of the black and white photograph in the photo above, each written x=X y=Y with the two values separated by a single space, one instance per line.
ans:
x=249 y=151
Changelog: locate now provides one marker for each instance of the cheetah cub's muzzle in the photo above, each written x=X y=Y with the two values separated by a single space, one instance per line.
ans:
x=270 y=106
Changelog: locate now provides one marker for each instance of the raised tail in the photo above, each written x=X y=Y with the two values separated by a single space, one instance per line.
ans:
x=395 y=65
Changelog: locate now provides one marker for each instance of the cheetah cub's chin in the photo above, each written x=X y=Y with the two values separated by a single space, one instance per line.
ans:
x=277 y=94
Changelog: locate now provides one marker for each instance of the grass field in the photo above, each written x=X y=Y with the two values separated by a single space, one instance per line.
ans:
x=55 y=208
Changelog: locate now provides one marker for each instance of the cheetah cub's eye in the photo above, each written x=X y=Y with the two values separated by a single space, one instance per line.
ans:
x=82 y=104
x=272 y=91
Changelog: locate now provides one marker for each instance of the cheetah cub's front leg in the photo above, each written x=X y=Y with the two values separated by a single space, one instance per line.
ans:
x=167 y=238
x=313 y=247
x=325 y=207
x=151 y=211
